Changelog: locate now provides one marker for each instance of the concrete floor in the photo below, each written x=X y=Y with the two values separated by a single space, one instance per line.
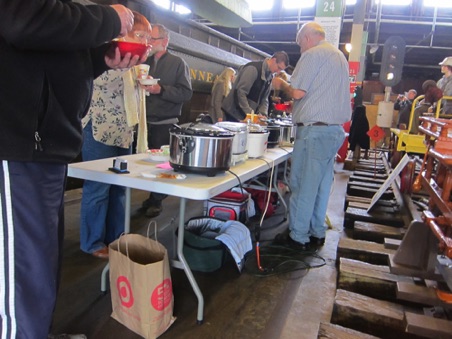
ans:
x=289 y=305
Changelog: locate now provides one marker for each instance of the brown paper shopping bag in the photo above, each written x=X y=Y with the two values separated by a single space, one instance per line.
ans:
x=140 y=284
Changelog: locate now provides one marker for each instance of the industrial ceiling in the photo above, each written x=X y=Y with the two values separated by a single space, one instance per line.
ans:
x=427 y=32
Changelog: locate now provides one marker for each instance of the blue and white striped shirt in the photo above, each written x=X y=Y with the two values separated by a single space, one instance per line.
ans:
x=322 y=72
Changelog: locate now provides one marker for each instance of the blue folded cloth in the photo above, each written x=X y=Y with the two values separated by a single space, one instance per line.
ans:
x=236 y=237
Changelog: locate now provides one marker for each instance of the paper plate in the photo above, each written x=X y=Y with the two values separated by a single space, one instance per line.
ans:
x=148 y=82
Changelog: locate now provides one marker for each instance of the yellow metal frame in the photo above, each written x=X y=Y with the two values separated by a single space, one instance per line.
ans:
x=414 y=143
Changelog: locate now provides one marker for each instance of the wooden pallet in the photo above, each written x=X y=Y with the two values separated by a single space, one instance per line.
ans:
x=365 y=201
x=369 y=315
x=357 y=214
x=376 y=232
x=375 y=281
x=332 y=331
x=425 y=326
x=368 y=192
x=372 y=298
x=361 y=250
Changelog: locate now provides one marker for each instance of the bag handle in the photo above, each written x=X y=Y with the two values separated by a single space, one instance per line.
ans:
x=147 y=235
x=155 y=229
x=119 y=244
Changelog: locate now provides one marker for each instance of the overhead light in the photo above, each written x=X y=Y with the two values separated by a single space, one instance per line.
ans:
x=348 y=47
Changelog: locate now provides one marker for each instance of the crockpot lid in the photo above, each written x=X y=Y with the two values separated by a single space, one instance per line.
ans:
x=201 y=129
x=232 y=126
x=284 y=123
x=255 y=128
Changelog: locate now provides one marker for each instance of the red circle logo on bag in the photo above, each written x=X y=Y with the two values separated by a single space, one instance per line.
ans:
x=162 y=295
x=125 y=291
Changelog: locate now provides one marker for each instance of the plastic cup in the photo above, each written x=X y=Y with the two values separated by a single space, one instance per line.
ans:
x=143 y=71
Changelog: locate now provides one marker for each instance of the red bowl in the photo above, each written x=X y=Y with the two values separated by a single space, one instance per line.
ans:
x=281 y=107
x=131 y=47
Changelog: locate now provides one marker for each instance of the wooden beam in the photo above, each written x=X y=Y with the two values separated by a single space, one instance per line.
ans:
x=381 y=318
x=361 y=250
x=331 y=331
x=375 y=281
x=376 y=232
x=426 y=326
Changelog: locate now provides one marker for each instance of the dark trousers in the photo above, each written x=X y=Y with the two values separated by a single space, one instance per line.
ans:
x=158 y=135
x=31 y=240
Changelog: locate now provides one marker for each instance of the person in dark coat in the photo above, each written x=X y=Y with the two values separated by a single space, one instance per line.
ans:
x=50 y=52
x=358 y=137
x=165 y=100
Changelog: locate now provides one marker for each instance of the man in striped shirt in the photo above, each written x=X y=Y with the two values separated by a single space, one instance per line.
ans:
x=320 y=89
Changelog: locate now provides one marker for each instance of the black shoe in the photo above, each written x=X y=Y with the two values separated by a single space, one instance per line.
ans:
x=153 y=211
x=144 y=206
x=318 y=242
x=287 y=241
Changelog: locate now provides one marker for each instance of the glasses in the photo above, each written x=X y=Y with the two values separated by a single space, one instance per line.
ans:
x=141 y=35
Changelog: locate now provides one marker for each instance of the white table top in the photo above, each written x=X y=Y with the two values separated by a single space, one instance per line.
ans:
x=195 y=186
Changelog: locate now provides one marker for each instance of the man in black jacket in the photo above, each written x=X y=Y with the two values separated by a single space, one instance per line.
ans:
x=165 y=100
x=251 y=88
x=51 y=50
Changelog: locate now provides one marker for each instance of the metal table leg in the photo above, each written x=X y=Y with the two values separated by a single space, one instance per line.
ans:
x=275 y=186
x=182 y=263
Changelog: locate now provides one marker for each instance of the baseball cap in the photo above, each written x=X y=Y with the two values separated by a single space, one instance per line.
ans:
x=446 y=62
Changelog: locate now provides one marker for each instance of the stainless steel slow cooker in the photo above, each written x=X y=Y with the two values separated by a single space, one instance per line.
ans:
x=200 y=148
x=288 y=132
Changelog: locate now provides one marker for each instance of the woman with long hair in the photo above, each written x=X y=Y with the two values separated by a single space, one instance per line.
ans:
x=220 y=89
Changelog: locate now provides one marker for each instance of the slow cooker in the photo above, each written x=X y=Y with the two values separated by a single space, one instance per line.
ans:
x=257 y=141
x=274 y=136
x=240 y=131
x=200 y=148
x=288 y=132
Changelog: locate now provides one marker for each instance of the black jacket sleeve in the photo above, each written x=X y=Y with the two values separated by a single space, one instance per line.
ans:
x=54 y=24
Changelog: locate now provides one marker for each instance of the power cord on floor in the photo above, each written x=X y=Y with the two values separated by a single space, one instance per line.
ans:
x=257 y=230
x=281 y=260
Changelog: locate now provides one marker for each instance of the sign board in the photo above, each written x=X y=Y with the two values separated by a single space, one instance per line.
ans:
x=331 y=8
x=353 y=70
x=376 y=133
x=329 y=15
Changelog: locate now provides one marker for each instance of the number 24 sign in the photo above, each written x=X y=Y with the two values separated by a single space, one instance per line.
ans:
x=330 y=8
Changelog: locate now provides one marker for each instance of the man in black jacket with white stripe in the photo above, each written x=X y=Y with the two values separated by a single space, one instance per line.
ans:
x=50 y=52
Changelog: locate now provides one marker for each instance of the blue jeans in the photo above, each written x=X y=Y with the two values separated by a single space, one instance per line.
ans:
x=102 y=208
x=311 y=178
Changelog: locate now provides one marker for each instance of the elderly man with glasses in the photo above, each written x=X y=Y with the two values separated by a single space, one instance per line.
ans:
x=320 y=88
x=165 y=100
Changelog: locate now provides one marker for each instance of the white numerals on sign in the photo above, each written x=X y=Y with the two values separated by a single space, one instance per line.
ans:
x=328 y=6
